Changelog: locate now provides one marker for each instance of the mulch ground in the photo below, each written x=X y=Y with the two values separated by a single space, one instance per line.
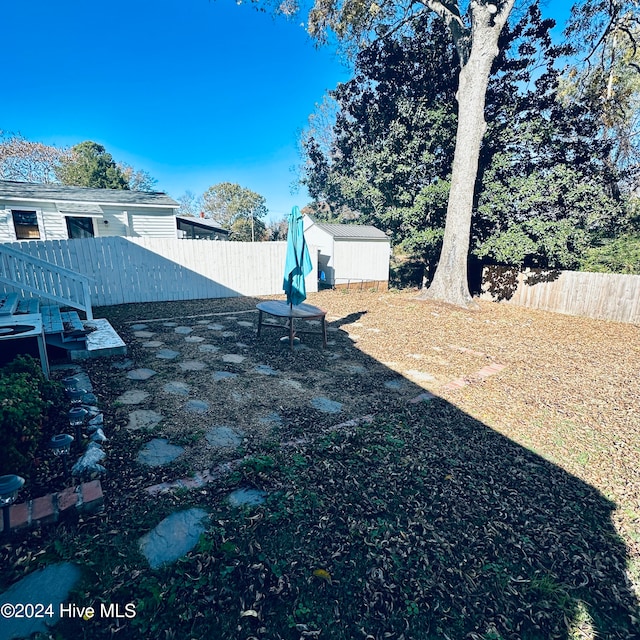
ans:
x=508 y=506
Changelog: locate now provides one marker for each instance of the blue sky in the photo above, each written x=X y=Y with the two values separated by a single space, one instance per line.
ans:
x=195 y=92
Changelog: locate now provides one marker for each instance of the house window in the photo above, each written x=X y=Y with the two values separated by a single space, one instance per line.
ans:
x=26 y=225
x=78 y=227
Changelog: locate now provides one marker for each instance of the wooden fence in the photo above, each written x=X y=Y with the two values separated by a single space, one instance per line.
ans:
x=126 y=270
x=607 y=296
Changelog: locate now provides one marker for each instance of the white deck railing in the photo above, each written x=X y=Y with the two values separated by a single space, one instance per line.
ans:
x=45 y=280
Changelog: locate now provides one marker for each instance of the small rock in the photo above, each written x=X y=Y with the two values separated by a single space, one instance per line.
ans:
x=98 y=436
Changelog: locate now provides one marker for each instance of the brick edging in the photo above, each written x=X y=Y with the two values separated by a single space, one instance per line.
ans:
x=85 y=497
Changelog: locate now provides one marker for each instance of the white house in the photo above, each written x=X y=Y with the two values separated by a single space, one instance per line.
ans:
x=31 y=211
x=349 y=254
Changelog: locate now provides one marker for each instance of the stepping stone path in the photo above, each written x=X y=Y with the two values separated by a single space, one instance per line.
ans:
x=233 y=357
x=197 y=406
x=246 y=498
x=139 y=327
x=141 y=374
x=132 y=397
x=244 y=323
x=152 y=344
x=173 y=537
x=325 y=405
x=178 y=388
x=170 y=324
x=192 y=365
x=158 y=452
x=294 y=384
x=144 y=334
x=125 y=364
x=394 y=385
x=208 y=348
x=224 y=437
x=194 y=339
x=51 y=585
x=184 y=331
x=265 y=370
x=167 y=354
x=223 y=375
x=228 y=334
x=271 y=419
x=143 y=419
x=215 y=327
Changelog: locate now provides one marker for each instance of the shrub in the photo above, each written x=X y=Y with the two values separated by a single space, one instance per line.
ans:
x=27 y=399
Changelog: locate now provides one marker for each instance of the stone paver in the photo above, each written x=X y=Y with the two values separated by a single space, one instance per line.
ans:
x=143 y=419
x=173 y=537
x=265 y=370
x=158 y=452
x=223 y=375
x=144 y=334
x=395 y=385
x=192 y=365
x=194 y=339
x=124 y=364
x=177 y=388
x=50 y=585
x=216 y=327
x=152 y=344
x=228 y=334
x=233 y=358
x=169 y=324
x=141 y=374
x=184 y=331
x=167 y=354
x=138 y=327
x=245 y=323
x=197 y=406
x=226 y=437
x=246 y=497
x=208 y=348
x=325 y=405
x=132 y=397
x=273 y=418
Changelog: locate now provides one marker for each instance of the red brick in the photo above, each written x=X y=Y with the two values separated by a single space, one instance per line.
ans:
x=19 y=514
x=42 y=509
x=92 y=498
x=67 y=499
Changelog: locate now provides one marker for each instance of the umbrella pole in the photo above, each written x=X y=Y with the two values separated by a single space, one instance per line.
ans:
x=291 y=331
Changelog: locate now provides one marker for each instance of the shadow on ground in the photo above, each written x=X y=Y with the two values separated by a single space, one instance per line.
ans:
x=388 y=516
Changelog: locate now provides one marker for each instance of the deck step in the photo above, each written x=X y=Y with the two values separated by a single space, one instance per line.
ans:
x=28 y=305
x=8 y=303
x=52 y=319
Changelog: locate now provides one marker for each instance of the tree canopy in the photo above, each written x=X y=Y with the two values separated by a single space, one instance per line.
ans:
x=90 y=165
x=545 y=187
x=236 y=208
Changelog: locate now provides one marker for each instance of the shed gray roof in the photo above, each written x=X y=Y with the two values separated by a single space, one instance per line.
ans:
x=30 y=191
x=352 y=231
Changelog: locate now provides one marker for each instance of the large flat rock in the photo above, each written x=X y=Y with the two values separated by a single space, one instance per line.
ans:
x=50 y=585
x=174 y=537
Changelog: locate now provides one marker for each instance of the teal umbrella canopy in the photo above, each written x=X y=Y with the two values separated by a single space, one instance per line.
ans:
x=298 y=263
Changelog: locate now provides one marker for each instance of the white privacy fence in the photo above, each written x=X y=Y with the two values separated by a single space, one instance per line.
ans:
x=124 y=270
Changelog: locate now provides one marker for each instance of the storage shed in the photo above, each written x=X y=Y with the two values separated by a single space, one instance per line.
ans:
x=30 y=211
x=349 y=255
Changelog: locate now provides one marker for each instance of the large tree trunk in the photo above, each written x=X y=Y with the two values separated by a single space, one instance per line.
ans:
x=450 y=282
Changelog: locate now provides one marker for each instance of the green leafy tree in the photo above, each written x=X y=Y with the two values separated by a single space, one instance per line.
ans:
x=227 y=204
x=475 y=35
x=544 y=182
x=90 y=165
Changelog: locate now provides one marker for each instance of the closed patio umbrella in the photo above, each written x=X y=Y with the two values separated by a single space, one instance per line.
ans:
x=298 y=263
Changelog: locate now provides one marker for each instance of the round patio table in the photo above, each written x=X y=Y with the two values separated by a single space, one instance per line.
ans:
x=282 y=309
